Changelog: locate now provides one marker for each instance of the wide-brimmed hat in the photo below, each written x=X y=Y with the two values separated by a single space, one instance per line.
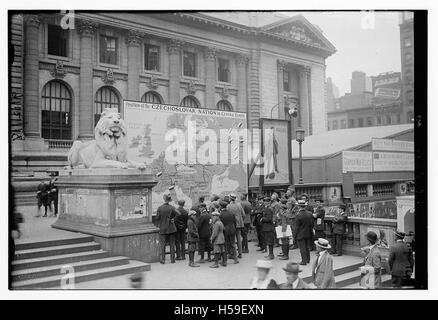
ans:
x=400 y=234
x=264 y=264
x=371 y=236
x=292 y=267
x=323 y=243
x=215 y=213
x=302 y=203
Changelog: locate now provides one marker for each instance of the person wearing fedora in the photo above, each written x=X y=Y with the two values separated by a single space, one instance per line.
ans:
x=401 y=261
x=292 y=270
x=338 y=229
x=192 y=238
x=166 y=214
x=304 y=230
x=373 y=257
x=218 y=240
x=322 y=270
x=229 y=221
x=268 y=228
x=262 y=280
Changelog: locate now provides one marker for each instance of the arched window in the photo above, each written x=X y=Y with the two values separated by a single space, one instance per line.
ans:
x=151 y=97
x=56 y=111
x=106 y=97
x=190 y=101
x=224 y=105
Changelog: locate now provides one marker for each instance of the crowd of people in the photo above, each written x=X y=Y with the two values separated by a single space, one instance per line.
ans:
x=218 y=232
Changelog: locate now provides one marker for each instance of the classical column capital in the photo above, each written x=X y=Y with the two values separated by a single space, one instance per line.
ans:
x=242 y=59
x=210 y=53
x=305 y=70
x=32 y=20
x=134 y=38
x=282 y=65
x=87 y=27
x=174 y=46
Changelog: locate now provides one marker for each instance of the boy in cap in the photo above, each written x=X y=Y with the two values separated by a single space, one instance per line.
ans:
x=192 y=237
x=401 y=261
x=218 y=240
x=293 y=280
x=261 y=280
x=322 y=270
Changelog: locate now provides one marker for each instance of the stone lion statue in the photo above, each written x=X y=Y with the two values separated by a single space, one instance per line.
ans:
x=108 y=150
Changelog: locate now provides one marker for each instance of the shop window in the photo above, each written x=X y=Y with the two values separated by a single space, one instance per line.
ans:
x=151 y=57
x=57 y=39
x=108 y=49
x=105 y=97
x=56 y=116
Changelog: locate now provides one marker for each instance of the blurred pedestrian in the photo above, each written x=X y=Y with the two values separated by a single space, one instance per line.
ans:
x=192 y=238
x=229 y=221
x=304 y=229
x=338 y=229
x=181 y=226
x=373 y=257
x=246 y=222
x=262 y=280
x=292 y=270
x=401 y=261
x=218 y=240
x=236 y=209
x=268 y=228
x=166 y=214
x=322 y=270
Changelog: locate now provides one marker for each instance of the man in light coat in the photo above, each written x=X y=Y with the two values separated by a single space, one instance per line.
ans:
x=218 y=240
x=322 y=269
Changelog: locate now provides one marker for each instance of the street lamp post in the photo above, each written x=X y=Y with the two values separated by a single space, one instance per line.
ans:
x=300 y=138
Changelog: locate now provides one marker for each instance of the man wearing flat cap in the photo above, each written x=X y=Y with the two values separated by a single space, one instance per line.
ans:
x=322 y=269
x=401 y=261
x=261 y=280
x=292 y=270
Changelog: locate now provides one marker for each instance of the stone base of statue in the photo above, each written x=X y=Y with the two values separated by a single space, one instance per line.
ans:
x=113 y=205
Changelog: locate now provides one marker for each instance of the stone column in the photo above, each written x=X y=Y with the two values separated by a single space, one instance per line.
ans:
x=133 y=42
x=303 y=117
x=281 y=66
x=31 y=78
x=242 y=61
x=210 y=77
x=86 y=31
x=174 y=50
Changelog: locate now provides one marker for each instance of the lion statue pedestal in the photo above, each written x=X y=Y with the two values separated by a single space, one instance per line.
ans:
x=113 y=205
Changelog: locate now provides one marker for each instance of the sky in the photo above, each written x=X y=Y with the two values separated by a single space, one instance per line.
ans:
x=368 y=42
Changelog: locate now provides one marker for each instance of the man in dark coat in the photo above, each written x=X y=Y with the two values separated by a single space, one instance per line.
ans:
x=181 y=226
x=246 y=222
x=204 y=234
x=304 y=229
x=166 y=214
x=319 y=216
x=338 y=229
x=192 y=238
x=43 y=197
x=401 y=261
x=292 y=270
x=229 y=221
x=268 y=228
x=258 y=214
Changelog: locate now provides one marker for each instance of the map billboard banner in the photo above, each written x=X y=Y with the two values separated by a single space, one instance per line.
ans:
x=357 y=161
x=393 y=161
x=194 y=152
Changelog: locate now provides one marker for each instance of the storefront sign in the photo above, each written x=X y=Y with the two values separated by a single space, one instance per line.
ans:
x=392 y=161
x=357 y=161
x=392 y=145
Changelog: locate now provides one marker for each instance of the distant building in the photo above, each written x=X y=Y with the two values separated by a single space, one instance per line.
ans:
x=407 y=64
x=332 y=93
x=379 y=105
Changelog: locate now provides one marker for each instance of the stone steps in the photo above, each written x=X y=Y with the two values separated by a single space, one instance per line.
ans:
x=56 y=250
x=53 y=243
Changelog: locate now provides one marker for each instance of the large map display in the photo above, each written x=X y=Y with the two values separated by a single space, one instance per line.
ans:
x=218 y=169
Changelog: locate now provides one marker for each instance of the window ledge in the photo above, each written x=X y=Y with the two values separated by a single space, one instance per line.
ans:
x=53 y=57
x=106 y=66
